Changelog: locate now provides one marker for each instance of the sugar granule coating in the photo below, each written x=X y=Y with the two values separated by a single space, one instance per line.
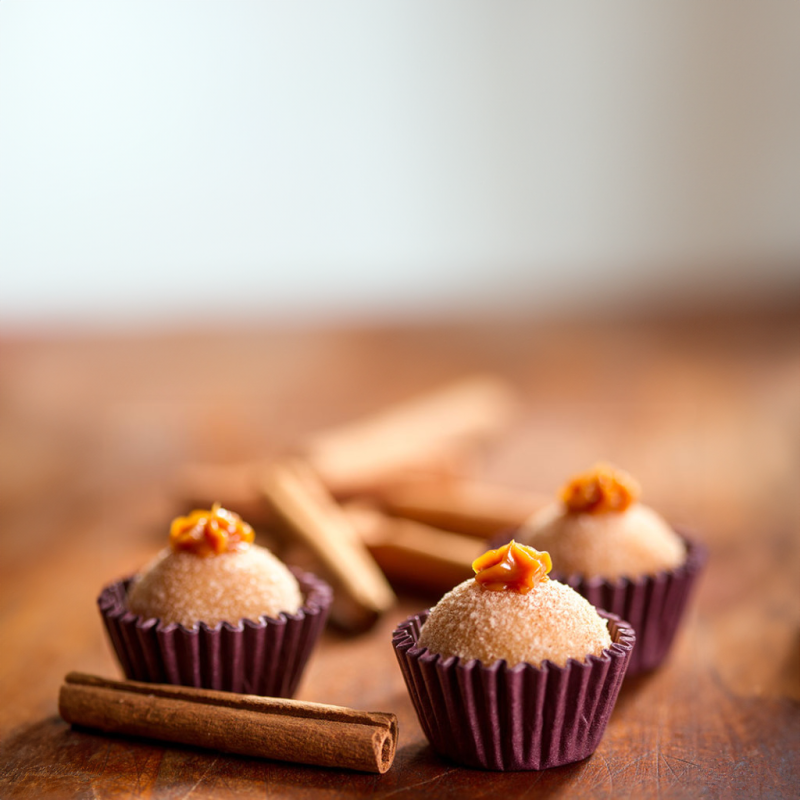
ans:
x=551 y=622
x=182 y=587
x=631 y=543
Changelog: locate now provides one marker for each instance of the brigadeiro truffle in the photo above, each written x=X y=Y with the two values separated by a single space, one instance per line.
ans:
x=621 y=555
x=512 y=670
x=215 y=610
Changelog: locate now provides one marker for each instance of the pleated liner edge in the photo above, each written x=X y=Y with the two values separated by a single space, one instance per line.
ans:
x=519 y=718
x=263 y=657
x=654 y=605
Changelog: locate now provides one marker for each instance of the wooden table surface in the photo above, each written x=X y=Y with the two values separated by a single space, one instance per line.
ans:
x=704 y=410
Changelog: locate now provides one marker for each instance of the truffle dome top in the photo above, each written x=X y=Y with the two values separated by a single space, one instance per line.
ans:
x=599 y=529
x=212 y=573
x=551 y=622
x=633 y=542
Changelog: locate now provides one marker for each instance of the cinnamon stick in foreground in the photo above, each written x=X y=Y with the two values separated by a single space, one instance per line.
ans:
x=265 y=727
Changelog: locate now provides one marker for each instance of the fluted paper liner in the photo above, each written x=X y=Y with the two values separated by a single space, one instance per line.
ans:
x=264 y=657
x=517 y=718
x=653 y=604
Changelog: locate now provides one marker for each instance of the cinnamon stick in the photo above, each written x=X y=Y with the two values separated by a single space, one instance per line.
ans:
x=265 y=727
x=426 y=440
x=361 y=591
x=428 y=436
x=412 y=554
x=464 y=506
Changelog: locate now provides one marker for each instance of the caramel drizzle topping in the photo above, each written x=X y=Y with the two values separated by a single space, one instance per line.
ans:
x=602 y=489
x=210 y=533
x=512 y=568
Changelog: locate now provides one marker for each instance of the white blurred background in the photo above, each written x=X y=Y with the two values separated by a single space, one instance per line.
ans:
x=211 y=162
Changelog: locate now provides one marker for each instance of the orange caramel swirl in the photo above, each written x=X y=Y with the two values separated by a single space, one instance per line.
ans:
x=512 y=568
x=603 y=488
x=210 y=533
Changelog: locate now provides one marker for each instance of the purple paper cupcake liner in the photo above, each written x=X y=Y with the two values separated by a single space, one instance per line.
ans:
x=653 y=604
x=265 y=656
x=518 y=718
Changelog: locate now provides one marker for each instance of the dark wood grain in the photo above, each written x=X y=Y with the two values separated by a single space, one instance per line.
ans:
x=705 y=411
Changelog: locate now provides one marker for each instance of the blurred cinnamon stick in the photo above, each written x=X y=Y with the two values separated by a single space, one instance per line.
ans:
x=430 y=435
x=309 y=512
x=464 y=506
x=427 y=440
x=412 y=554
x=265 y=727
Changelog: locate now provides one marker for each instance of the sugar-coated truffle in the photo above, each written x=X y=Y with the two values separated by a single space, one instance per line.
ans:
x=239 y=584
x=633 y=542
x=550 y=622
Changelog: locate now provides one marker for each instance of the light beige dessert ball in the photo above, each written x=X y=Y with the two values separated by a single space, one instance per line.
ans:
x=552 y=622
x=612 y=544
x=186 y=588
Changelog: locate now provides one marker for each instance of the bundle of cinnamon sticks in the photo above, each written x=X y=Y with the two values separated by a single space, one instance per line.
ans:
x=383 y=500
